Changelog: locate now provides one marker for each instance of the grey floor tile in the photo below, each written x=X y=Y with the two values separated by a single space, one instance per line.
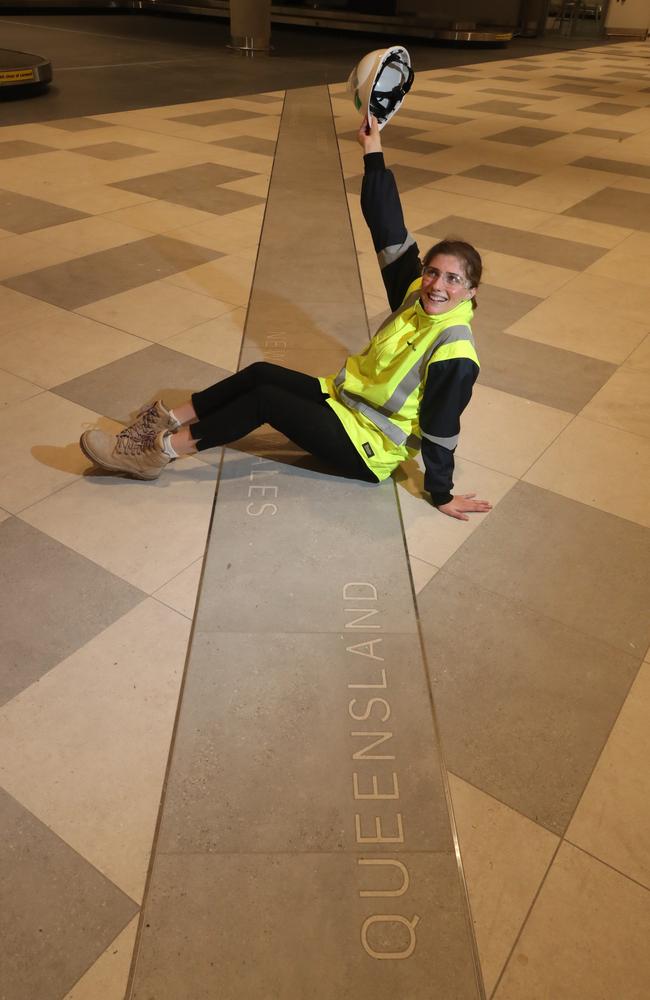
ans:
x=196 y=186
x=78 y=282
x=262 y=508
x=615 y=206
x=581 y=88
x=519 y=242
x=248 y=144
x=424 y=115
x=521 y=95
x=525 y=135
x=539 y=372
x=525 y=704
x=607 y=108
x=578 y=565
x=19 y=147
x=219 y=117
x=118 y=390
x=456 y=78
x=223 y=925
x=112 y=150
x=605 y=133
x=285 y=327
x=58 y=914
x=510 y=108
x=312 y=361
x=499 y=307
x=21 y=214
x=613 y=166
x=54 y=601
x=262 y=98
x=259 y=728
x=438 y=116
x=498 y=175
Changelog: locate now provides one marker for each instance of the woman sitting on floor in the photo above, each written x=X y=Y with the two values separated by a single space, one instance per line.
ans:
x=404 y=393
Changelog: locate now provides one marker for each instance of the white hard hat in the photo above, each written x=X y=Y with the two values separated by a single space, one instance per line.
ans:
x=380 y=81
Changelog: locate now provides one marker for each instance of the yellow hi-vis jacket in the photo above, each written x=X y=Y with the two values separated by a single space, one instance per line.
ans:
x=378 y=394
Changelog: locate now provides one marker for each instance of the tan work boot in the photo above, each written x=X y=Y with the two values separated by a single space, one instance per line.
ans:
x=150 y=420
x=140 y=457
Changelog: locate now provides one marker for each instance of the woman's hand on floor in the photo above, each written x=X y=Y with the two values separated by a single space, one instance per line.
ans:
x=459 y=506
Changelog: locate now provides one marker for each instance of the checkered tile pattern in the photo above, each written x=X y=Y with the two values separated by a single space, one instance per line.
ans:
x=127 y=247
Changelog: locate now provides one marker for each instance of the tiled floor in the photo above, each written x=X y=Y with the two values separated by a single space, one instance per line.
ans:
x=127 y=248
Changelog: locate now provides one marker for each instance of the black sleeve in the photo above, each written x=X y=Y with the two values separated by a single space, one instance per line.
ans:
x=447 y=391
x=397 y=251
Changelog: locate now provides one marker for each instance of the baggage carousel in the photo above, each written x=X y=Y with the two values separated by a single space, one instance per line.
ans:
x=22 y=69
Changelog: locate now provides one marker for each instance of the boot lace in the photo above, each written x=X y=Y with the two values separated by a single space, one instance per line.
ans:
x=135 y=444
x=143 y=425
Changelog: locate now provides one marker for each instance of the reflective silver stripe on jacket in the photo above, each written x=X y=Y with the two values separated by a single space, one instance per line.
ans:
x=380 y=416
x=379 y=419
x=413 y=377
x=392 y=253
x=449 y=442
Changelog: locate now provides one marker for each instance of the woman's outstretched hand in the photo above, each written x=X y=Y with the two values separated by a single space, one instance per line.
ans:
x=459 y=506
x=368 y=135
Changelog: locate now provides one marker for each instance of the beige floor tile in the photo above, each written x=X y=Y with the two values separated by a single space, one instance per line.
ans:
x=218 y=341
x=519 y=275
x=51 y=351
x=159 y=216
x=430 y=535
x=85 y=748
x=87 y=236
x=586 y=937
x=181 y=592
x=505 y=857
x=597 y=234
x=377 y=309
x=628 y=262
x=21 y=310
x=558 y=190
x=624 y=401
x=107 y=978
x=599 y=466
x=507 y=433
x=155 y=311
x=40 y=448
x=14 y=389
x=4 y=514
x=421 y=572
x=228 y=279
x=639 y=359
x=20 y=254
x=227 y=234
x=586 y=317
x=145 y=533
x=613 y=817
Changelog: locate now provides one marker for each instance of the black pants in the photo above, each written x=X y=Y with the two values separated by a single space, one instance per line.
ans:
x=291 y=402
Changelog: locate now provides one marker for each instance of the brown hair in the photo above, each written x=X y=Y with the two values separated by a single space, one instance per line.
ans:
x=466 y=253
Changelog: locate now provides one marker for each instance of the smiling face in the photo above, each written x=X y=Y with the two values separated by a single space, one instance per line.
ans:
x=444 y=284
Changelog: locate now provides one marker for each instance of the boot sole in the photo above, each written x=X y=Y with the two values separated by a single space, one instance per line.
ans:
x=114 y=468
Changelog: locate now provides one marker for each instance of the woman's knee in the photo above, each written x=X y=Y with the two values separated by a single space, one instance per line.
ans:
x=260 y=372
